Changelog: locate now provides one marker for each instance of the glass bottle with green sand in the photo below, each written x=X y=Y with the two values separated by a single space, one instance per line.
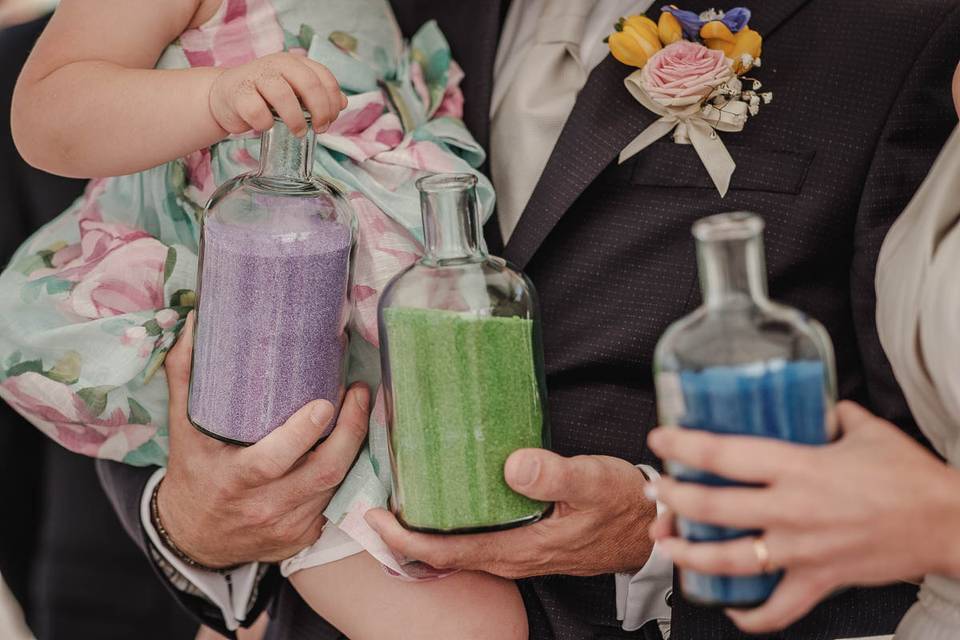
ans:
x=462 y=373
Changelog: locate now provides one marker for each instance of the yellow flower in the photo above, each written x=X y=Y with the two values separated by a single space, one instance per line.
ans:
x=670 y=29
x=635 y=40
x=716 y=35
x=748 y=42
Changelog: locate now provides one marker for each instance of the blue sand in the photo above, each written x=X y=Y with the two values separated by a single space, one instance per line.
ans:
x=773 y=399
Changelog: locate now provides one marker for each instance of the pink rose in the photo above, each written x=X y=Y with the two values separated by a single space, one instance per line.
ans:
x=684 y=74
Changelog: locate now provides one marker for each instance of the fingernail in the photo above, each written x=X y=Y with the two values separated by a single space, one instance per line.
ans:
x=320 y=414
x=652 y=491
x=525 y=471
x=323 y=127
x=343 y=100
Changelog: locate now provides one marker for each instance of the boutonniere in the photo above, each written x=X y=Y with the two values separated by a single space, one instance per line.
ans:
x=691 y=72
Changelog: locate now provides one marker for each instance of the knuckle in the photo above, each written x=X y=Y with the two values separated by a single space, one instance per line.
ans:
x=249 y=110
x=264 y=469
x=330 y=475
x=279 y=533
x=311 y=82
x=226 y=491
x=246 y=87
x=443 y=559
x=258 y=515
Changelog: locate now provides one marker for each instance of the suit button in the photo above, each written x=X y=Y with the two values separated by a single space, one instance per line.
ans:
x=668 y=598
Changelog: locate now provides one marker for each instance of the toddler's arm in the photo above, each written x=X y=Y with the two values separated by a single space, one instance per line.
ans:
x=364 y=603
x=90 y=104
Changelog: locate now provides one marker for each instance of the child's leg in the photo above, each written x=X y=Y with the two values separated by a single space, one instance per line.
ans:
x=364 y=603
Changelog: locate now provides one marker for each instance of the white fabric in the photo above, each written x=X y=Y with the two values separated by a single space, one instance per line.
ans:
x=234 y=595
x=231 y=594
x=532 y=111
x=547 y=50
x=642 y=596
x=918 y=303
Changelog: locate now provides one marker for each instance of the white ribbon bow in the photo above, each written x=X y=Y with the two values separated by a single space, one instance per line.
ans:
x=695 y=124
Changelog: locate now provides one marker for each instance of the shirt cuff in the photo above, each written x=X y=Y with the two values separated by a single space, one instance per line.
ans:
x=644 y=596
x=232 y=592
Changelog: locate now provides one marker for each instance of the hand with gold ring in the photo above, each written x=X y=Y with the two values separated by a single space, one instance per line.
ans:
x=845 y=514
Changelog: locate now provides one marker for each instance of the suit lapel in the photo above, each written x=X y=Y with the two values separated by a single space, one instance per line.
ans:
x=604 y=119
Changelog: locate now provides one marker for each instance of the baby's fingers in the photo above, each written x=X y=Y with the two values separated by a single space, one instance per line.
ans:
x=312 y=92
x=278 y=93
x=253 y=110
x=334 y=101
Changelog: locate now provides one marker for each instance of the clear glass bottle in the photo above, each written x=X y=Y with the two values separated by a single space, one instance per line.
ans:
x=740 y=364
x=273 y=286
x=462 y=369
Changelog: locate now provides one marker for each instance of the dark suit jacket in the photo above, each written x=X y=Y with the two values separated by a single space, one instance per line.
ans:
x=862 y=107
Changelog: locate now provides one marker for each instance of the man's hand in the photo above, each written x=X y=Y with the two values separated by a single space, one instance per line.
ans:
x=599 y=523
x=224 y=505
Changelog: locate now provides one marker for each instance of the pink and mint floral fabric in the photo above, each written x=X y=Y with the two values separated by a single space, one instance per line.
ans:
x=92 y=302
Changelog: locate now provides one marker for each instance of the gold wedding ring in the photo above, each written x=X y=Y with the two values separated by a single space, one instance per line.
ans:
x=762 y=552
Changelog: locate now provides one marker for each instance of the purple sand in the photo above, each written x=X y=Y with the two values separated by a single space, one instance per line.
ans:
x=271 y=324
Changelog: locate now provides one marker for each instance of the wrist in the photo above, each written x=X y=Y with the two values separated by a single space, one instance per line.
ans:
x=213 y=76
x=162 y=520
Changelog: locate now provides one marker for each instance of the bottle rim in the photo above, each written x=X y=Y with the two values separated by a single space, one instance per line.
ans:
x=440 y=182
x=736 y=225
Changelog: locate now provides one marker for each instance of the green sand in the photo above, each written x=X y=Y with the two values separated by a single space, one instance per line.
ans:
x=465 y=397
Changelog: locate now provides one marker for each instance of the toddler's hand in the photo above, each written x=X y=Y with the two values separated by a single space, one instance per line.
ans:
x=241 y=98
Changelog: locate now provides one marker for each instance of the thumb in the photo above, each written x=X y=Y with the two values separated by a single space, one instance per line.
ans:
x=272 y=457
x=543 y=475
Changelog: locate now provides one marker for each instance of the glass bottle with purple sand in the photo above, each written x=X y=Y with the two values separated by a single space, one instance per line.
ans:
x=740 y=364
x=462 y=367
x=273 y=288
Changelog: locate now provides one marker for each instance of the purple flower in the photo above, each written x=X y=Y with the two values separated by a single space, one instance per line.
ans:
x=689 y=20
x=736 y=19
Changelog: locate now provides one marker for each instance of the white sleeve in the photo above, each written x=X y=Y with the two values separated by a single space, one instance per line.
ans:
x=232 y=592
x=645 y=595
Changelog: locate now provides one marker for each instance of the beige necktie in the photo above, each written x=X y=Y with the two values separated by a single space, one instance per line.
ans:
x=540 y=97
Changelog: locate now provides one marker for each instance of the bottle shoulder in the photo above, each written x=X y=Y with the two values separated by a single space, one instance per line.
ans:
x=489 y=286
x=748 y=334
x=249 y=199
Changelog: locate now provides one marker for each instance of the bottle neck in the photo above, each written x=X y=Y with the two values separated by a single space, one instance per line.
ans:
x=731 y=260
x=451 y=218
x=285 y=156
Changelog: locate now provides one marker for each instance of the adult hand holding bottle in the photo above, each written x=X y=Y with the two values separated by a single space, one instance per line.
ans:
x=872 y=508
x=225 y=505
x=598 y=524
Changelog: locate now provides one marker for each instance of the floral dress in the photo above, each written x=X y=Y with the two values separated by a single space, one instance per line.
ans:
x=91 y=303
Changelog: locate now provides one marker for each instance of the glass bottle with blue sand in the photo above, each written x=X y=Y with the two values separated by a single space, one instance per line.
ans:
x=741 y=365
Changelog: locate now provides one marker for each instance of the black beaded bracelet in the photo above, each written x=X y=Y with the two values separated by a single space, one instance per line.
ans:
x=170 y=544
